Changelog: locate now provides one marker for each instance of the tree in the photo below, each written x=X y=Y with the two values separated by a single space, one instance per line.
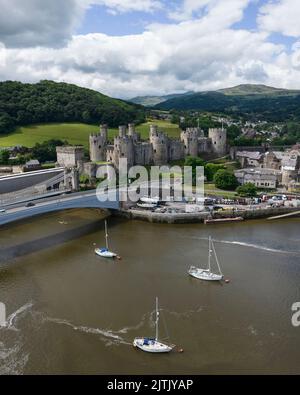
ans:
x=211 y=169
x=4 y=157
x=194 y=162
x=7 y=123
x=247 y=190
x=233 y=132
x=226 y=180
x=47 y=101
x=245 y=141
x=46 y=151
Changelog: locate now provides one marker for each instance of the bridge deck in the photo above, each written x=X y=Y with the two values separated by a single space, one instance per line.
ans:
x=73 y=201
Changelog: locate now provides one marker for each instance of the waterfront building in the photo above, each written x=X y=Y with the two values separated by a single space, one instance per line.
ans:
x=257 y=165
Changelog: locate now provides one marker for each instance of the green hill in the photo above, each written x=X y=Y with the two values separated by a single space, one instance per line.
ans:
x=248 y=89
x=48 y=102
x=250 y=101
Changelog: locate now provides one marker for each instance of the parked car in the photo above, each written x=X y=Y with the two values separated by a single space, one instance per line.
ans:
x=278 y=200
x=2 y=210
x=30 y=204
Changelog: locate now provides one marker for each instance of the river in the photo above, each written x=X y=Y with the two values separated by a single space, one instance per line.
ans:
x=71 y=312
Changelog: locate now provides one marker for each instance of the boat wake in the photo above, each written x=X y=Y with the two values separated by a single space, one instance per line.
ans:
x=185 y=314
x=134 y=328
x=249 y=245
x=256 y=246
x=13 y=358
x=108 y=336
x=13 y=318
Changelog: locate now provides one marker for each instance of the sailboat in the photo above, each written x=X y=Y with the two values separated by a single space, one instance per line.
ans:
x=207 y=274
x=104 y=252
x=153 y=345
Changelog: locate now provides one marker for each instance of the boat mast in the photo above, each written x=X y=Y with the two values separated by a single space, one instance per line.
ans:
x=106 y=234
x=209 y=253
x=157 y=319
x=217 y=260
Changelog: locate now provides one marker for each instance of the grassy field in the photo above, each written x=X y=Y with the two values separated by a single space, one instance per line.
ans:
x=74 y=133
x=169 y=128
x=210 y=189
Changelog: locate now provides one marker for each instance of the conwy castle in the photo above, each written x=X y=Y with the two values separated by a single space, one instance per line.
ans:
x=158 y=150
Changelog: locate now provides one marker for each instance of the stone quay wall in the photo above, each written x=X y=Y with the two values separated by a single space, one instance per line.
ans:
x=188 y=218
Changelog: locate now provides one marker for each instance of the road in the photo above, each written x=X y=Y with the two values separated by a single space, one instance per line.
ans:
x=87 y=199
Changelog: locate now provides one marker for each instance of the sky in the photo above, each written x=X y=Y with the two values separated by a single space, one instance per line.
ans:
x=128 y=48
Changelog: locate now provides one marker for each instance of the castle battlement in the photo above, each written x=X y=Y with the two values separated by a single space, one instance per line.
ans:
x=159 y=149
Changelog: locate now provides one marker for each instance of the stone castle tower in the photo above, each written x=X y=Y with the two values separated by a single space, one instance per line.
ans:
x=124 y=147
x=159 y=150
x=219 y=141
x=159 y=143
x=98 y=145
x=190 y=138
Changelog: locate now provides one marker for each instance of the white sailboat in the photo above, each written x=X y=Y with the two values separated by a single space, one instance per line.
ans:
x=153 y=345
x=104 y=252
x=207 y=274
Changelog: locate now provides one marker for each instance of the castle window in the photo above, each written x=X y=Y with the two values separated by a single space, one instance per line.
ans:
x=100 y=147
x=215 y=143
x=155 y=151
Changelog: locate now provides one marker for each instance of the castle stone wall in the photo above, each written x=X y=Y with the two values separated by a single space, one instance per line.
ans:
x=143 y=154
x=159 y=150
x=176 y=150
x=219 y=141
x=98 y=145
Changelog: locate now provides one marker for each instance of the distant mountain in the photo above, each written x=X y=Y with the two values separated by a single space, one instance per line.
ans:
x=48 y=101
x=252 y=101
x=248 y=89
x=151 y=101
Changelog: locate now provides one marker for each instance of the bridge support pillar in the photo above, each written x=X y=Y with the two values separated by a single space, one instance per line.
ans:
x=72 y=179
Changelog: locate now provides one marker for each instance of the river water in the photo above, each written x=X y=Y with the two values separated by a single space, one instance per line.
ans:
x=71 y=312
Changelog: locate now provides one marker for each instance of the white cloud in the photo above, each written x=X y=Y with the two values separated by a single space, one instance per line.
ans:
x=281 y=16
x=26 y=23
x=188 y=8
x=120 y=6
x=199 y=53
x=220 y=8
x=37 y=22
x=193 y=55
